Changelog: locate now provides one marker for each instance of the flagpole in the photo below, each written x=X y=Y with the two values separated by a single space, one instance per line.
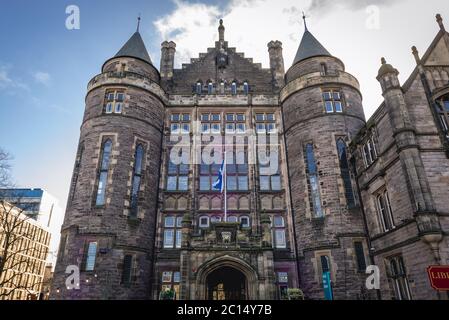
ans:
x=225 y=190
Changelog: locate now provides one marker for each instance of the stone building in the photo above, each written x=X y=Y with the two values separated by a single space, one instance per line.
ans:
x=144 y=220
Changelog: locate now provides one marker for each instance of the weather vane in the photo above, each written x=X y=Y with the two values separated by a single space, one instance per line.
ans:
x=138 y=23
x=305 y=21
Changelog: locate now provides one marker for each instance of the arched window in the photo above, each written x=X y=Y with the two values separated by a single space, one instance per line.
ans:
x=245 y=222
x=137 y=178
x=215 y=219
x=345 y=174
x=103 y=173
x=204 y=222
x=232 y=219
x=385 y=212
x=246 y=88
x=210 y=88
x=443 y=110
x=76 y=171
x=199 y=88
x=278 y=228
x=398 y=275
x=234 y=87
x=313 y=185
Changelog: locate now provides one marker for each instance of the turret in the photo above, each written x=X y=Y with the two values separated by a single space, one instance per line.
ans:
x=276 y=63
x=322 y=110
x=168 y=50
x=108 y=231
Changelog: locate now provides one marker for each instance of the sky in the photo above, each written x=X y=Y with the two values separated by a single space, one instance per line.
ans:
x=45 y=67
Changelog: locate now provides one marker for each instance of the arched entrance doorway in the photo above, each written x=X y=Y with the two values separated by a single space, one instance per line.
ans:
x=226 y=283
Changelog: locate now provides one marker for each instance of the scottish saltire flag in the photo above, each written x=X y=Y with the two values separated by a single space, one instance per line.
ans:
x=219 y=184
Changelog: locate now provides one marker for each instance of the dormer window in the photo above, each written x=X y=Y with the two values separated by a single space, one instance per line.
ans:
x=234 y=88
x=199 y=88
x=210 y=88
x=246 y=88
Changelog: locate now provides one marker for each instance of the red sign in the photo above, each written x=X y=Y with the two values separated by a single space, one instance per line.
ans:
x=439 y=277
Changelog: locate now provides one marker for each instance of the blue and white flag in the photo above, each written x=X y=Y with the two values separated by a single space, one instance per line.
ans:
x=219 y=184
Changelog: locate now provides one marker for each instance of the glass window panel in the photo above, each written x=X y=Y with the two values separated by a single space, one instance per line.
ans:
x=231 y=169
x=338 y=106
x=240 y=117
x=264 y=183
x=135 y=191
x=178 y=238
x=232 y=219
x=327 y=95
x=279 y=221
x=270 y=117
x=100 y=201
x=120 y=97
x=184 y=169
x=169 y=222
x=204 y=183
x=234 y=88
x=230 y=127
x=260 y=128
x=243 y=183
x=245 y=221
x=109 y=107
x=107 y=148
x=166 y=276
x=282 y=277
x=185 y=128
x=271 y=128
x=205 y=128
x=139 y=157
x=169 y=238
x=174 y=128
x=260 y=117
x=91 y=256
x=204 y=169
x=205 y=117
x=446 y=104
x=175 y=117
x=215 y=219
x=230 y=117
x=280 y=238
x=118 y=107
x=246 y=88
x=276 y=183
x=242 y=168
x=183 y=183
x=204 y=222
x=215 y=128
x=110 y=96
x=231 y=183
x=179 y=222
x=177 y=277
x=216 y=117
x=186 y=117
x=171 y=183
x=336 y=95
x=329 y=107
x=241 y=128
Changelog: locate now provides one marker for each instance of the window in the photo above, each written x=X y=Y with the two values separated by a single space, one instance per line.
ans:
x=345 y=173
x=103 y=173
x=204 y=222
x=265 y=123
x=76 y=171
x=332 y=101
x=208 y=175
x=234 y=88
x=245 y=88
x=278 y=227
x=178 y=177
x=180 y=123
x=237 y=171
x=210 y=88
x=385 y=212
x=232 y=219
x=137 y=178
x=323 y=69
x=443 y=110
x=360 y=256
x=269 y=182
x=325 y=264
x=312 y=181
x=215 y=219
x=91 y=256
x=114 y=102
x=172 y=232
x=127 y=269
x=170 y=281
x=369 y=152
x=199 y=88
x=398 y=276
x=244 y=221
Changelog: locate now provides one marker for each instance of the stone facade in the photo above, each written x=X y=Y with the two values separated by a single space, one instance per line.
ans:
x=141 y=225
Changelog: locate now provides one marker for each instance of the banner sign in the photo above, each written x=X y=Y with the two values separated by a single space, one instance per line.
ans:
x=439 y=277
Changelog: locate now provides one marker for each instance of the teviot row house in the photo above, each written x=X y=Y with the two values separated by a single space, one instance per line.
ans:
x=313 y=191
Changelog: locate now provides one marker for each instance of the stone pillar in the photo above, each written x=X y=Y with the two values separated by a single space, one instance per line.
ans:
x=405 y=137
x=276 y=63
x=168 y=50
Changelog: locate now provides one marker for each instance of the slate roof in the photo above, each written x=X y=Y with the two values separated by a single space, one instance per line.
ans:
x=310 y=47
x=135 y=48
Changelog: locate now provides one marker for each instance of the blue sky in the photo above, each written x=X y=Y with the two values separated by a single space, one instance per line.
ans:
x=45 y=68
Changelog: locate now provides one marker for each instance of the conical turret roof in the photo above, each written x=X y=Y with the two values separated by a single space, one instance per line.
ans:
x=134 y=48
x=310 y=47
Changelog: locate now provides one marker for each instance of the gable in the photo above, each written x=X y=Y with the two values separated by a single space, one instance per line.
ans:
x=439 y=54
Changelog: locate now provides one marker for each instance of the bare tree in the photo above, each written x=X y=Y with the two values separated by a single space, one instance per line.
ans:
x=5 y=169
x=19 y=253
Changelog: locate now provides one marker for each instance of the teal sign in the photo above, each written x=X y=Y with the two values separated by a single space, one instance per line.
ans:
x=327 y=286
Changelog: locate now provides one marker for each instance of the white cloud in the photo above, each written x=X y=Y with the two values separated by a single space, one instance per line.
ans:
x=341 y=28
x=7 y=83
x=42 y=78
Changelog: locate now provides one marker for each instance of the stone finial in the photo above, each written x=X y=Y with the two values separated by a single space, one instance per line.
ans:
x=440 y=22
x=385 y=69
x=274 y=45
x=416 y=55
x=383 y=60
x=221 y=30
